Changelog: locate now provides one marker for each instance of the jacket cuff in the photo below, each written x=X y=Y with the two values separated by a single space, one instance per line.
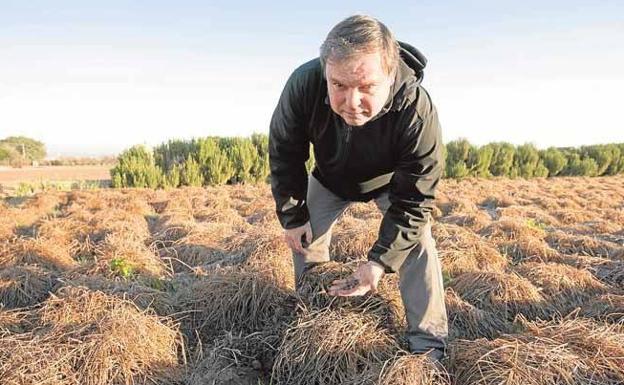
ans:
x=294 y=217
x=388 y=266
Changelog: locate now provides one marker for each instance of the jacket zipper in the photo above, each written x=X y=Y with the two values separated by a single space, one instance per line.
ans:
x=347 y=149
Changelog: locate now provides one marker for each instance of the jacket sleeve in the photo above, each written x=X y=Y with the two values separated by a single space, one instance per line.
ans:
x=412 y=187
x=289 y=148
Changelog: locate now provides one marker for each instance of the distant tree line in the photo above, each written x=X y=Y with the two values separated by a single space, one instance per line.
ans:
x=80 y=161
x=526 y=161
x=226 y=160
x=198 y=162
x=18 y=151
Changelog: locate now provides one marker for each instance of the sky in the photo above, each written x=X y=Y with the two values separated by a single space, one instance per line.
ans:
x=94 y=78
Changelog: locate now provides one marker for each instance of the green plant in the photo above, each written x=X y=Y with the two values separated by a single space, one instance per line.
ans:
x=24 y=189
x=216 y=166
x=535 y=224
x=136 y=168
x=191 y=173
x=121 y=268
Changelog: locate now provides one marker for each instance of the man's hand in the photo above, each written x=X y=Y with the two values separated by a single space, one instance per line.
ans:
x=294 y=238
x=365 y=279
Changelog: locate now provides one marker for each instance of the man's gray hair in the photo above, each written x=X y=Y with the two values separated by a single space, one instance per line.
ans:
x=360 y=34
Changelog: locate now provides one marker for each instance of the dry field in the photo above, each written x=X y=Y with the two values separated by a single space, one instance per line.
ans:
x=194 y=286
x=11 y=177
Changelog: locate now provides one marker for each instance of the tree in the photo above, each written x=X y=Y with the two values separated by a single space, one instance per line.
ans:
x=525 y=161
x=243 y=155
x=136 y=168
x=260 y=169
x=479 y=160
x=7 y=153
x=174 y=152
x=618 y=167
x=27 y=148
x=216 y=166
x=578 y=166
x=457 y=152
x=602 y=155
x=554 y=160
x=502 y=159
x=191 y=174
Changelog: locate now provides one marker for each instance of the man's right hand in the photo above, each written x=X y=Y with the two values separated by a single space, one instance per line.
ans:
x=294 y=238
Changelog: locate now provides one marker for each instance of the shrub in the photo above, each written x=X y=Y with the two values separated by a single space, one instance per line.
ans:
x=136 y=168
x=525 y=161
x=191 y=174
x=502 y=159
x=554 y=160
x=215 y=165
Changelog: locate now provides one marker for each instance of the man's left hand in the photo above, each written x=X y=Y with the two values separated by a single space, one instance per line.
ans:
x=365 y=279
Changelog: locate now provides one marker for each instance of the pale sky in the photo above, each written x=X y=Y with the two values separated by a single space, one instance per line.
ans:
x=95 y=79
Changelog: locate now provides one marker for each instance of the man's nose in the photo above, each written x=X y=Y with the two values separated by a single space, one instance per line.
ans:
x=353 y=99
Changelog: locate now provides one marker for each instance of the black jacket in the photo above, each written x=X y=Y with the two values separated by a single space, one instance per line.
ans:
x=399 y=151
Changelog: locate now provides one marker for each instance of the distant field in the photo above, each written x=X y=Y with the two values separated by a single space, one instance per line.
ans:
x=11 y=177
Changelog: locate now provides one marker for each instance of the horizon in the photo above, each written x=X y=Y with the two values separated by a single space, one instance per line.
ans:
x=96 y=79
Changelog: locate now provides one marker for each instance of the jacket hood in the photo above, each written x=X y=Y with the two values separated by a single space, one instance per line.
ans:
x=413 y=58
x=408 y=77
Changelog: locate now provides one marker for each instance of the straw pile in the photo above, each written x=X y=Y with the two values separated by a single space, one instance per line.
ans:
x=386 y=304
x=469 y=322
x=599 y=346
x=150 y=294
x=584 y=245
x=23 y=286
x=513 y=360
x=567 y=286
x=463 y=251
x=232 y=300
x=38 y=251
x=607 y=307
x=263 y=249
x=352 y=238
x=611 y=272
x=412 y=370
x=332 y=347
x=14 y=322
x=520 y=240
x=235 y=359
x=87 y=337
x=201 y=246
x=502 y=294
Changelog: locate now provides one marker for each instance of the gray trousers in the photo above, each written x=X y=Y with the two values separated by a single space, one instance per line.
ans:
x=420 y=276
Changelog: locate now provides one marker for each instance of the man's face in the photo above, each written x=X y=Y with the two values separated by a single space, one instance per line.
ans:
x=358 y=87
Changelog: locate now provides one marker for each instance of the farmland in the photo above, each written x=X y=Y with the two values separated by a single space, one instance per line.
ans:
x=37 y=177
x=194 y=286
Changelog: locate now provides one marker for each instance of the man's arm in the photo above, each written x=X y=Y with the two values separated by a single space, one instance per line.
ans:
x=289 y=147
x=412 y=187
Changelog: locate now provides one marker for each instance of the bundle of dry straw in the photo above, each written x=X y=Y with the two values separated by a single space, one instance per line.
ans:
x=599 y=346
x=502 y=294
x=566 y=287
x=386 y=304
x=513 y=360
x=333 y=347
x=468 y=322
x=229 y=299
x=22 y=286
x=85 y=337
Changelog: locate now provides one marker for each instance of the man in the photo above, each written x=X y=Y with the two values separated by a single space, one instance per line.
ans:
x=376 y=136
